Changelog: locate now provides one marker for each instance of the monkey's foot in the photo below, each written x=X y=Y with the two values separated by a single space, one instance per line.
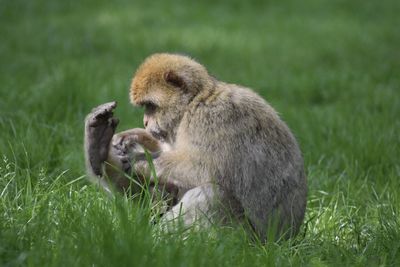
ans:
x=100 y=127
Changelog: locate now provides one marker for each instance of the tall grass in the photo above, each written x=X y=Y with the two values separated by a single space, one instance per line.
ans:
x=329 y=67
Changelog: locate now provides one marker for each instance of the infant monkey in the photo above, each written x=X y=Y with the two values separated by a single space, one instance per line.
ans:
x=109 y=156
x=220 y=145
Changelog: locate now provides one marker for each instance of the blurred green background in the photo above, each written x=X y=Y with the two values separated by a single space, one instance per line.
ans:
x=330 y=68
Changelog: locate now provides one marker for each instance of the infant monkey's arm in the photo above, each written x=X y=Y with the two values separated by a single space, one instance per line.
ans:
x=108 y=155
x=100 y=127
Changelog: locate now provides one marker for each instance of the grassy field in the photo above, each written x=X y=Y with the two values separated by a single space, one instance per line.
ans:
x=331 y=68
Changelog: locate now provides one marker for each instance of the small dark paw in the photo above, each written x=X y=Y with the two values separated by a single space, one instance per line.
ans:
x=100 y=127
x=102 y=115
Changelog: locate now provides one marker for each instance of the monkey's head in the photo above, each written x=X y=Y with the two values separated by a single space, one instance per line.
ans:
x=164 y=85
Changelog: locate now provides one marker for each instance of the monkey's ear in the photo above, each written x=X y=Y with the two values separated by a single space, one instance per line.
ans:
x=174 y=79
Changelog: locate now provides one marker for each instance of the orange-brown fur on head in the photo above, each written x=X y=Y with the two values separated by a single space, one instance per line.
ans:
x=161 y=76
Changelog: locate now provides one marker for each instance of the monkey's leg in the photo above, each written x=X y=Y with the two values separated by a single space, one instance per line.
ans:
x=198 y=206
x=100 y=126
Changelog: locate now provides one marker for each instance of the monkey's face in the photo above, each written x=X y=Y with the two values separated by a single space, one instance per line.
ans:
x=163 y=114
x=164 y=85
x=152 y=119
x=164 y=100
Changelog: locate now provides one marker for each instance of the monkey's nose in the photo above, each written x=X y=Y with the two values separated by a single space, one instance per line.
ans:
x=145 y=122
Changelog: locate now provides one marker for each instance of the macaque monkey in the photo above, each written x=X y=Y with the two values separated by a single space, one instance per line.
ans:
x=221 y=148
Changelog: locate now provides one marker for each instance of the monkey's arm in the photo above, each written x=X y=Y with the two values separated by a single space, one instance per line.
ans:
x=176 y=168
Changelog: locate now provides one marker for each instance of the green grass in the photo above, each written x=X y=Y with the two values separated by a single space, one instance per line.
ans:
x=331 y=68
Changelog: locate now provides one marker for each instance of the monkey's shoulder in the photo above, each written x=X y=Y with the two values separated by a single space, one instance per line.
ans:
x=228 y=117
x=230 y=105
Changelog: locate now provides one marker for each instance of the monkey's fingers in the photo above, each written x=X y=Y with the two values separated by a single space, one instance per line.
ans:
x=105 y=107
x=105 y=110
x=123 y=139
x=101 y=114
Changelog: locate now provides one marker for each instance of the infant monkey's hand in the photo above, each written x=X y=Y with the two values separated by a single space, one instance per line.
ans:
x=129 y=147
x=100 y=127
x=137 y=136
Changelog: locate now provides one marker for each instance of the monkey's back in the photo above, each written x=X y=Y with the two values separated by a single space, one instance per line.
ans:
x=251 y=154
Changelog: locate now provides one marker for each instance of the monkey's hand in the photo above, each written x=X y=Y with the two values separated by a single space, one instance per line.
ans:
x=129 y=147
x=130 y=140
x=100 y=127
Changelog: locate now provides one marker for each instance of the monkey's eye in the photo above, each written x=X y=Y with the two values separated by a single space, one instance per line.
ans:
x=149 y=107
